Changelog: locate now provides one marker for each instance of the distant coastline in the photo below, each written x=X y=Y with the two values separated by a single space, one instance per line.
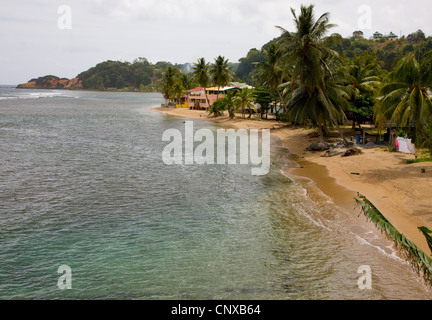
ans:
x=52 y=82
x=56 y=83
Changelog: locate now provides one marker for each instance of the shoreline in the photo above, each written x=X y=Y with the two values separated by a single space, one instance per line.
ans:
x=400 y=191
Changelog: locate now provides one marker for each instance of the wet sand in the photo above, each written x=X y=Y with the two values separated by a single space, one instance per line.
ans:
x=400 y=191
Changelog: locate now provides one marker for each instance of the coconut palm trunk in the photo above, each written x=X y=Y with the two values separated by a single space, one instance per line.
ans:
x=201 y=76
x=313 y=94
x=332 y=117
x=221 y=73
x=207 y=99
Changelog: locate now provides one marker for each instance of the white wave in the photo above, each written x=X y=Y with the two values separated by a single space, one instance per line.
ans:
x=393 y=255
x=8 y=98
x=315 y=222
x=286 y=176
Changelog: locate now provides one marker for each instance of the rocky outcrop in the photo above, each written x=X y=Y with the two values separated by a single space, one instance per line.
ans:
x=52 y=82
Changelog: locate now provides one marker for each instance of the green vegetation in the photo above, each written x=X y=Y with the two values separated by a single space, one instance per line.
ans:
x=172 y=84
x=270 y=74
x=243 y=100
x=220 y=72
x=201 y=74
x=315 y=91
x=419 y=160
x=308 y=76
x=138 y=75
x=226 y=103
x=404 y=95
x=264 y=97
x=418 y=259
x=45 y=81
x=322 y=79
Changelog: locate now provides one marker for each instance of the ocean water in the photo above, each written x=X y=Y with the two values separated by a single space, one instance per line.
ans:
x=83 y=184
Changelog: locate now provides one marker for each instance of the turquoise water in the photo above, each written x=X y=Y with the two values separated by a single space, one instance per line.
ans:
x=83 y=184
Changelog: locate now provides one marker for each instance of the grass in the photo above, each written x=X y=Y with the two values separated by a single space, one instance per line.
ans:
x=419 y=160
x=424 y=156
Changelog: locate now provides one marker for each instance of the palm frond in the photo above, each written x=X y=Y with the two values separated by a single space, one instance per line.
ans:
x=426 y=232
x=420 y=261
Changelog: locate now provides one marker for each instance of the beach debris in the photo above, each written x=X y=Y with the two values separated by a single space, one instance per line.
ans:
x=318 y=146
x=352 y=152
x=355 y=173
x=278 y=126
x=313 y=135
x=423 y=170
x=370 y=144
x=341 y=143
x=332 y=153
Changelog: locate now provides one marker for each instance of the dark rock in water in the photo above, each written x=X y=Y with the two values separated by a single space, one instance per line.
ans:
x=320 y=146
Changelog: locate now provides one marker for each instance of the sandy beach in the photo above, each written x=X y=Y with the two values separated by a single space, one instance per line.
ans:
x=399 y=190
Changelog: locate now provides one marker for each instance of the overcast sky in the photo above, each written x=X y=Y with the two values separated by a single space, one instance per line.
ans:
x=39 y=39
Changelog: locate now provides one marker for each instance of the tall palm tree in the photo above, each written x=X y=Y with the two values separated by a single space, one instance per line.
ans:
x=404 y=97
x=230 y=103
x=244 y=100
x=220 y=73
x=178 y=91
x=305 y=106
x=170 y=78
x=270 y=73
x=365 y=74
x=305 y=51
x=201 y=76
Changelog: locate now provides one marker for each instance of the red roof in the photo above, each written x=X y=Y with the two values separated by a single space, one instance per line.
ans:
x=196 y=89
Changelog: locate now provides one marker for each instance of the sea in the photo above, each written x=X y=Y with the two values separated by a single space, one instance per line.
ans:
x=89 y=210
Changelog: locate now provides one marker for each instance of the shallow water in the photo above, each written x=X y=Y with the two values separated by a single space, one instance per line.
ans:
x=83 y=184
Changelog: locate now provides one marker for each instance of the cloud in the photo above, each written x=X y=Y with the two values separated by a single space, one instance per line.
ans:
x=175 y=30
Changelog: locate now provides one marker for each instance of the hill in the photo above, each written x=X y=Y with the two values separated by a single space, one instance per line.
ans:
x=52 y=82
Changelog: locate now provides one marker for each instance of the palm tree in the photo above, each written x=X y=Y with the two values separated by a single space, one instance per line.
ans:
x=200 y=75
x=226 y=103
x=404 y=97
x=178 y=91
x=365 y=72
x=187 y=81
x=220 y=73
x=170 y=78
x=217 y=108
x=420 y=260
x=270 y=73
x=365 y=76
x=244 y=100
x=230 y=103
x=305 y=52
x=305 y=106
